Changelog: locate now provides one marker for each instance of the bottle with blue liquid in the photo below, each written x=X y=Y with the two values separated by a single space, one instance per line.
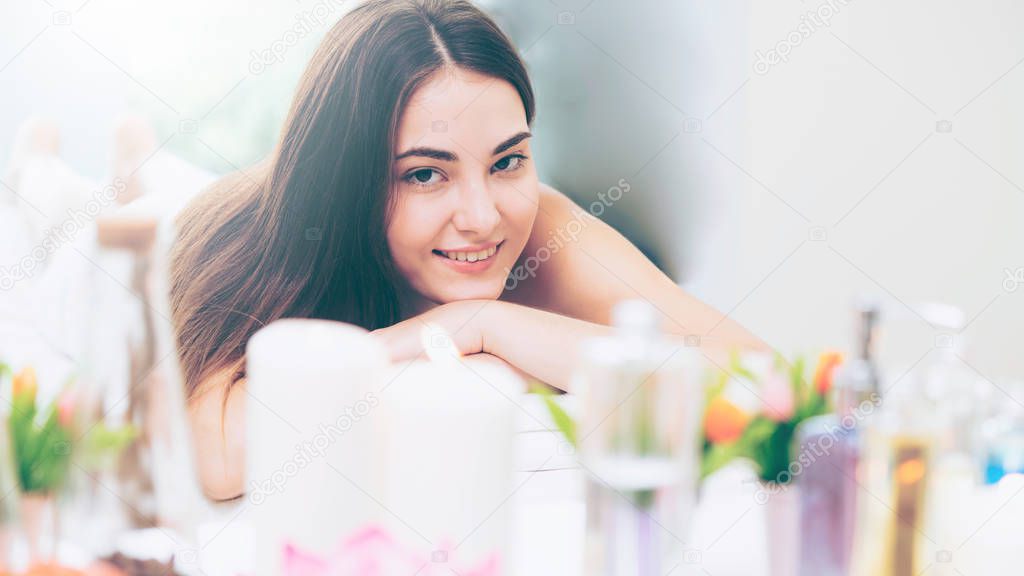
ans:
x=1003 y=442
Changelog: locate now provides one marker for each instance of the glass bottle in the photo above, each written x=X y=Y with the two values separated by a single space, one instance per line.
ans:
x=831 y=445
x=637 y=444
x=150 y=482
x=899 y=470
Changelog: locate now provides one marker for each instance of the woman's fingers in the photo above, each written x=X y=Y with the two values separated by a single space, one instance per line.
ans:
x=449 y=325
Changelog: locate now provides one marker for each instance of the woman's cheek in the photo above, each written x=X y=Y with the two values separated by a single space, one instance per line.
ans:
x=522 y=209
x=414 y=229
x=398 y=233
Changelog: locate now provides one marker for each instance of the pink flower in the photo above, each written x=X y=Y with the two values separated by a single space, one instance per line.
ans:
x=299 y=563
x=777 y=396
x=373 y=552
x=66 y=408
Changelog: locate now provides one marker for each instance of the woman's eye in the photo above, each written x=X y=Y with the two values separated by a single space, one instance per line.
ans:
x=423 y=177
x=509 y=163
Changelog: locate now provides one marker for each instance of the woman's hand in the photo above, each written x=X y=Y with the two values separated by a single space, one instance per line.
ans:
x=537 y=343
x=462 y=321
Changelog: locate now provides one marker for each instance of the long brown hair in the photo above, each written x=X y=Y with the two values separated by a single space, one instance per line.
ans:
x=304 y=233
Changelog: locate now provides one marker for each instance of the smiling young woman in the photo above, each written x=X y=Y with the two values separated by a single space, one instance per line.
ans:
x=403 y=190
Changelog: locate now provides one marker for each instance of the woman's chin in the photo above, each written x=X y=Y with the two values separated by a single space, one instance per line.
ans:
x=459 y=293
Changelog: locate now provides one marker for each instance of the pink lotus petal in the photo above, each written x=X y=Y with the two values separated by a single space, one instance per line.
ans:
x=777 y=393
x=372 y=551
x=66 y=408
x=299 y=563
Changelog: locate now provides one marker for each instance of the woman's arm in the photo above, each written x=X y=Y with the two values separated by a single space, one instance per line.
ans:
x=536 y=343
x=217 y=416
x=540 y=343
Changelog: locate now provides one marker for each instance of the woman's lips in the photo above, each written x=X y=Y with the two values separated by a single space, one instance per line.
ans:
x=470 y=261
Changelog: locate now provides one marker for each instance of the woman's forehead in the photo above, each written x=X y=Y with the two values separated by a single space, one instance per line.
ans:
x=462 y=109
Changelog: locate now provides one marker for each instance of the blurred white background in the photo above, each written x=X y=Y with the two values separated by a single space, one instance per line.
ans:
x=883 y=156
x=183 y=64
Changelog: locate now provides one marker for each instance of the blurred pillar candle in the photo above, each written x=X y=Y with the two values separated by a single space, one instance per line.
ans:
x=312 y=469
x=448 y=447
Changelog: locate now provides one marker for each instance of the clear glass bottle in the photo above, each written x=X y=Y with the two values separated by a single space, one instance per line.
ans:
x=637 y=442
x=150 y=480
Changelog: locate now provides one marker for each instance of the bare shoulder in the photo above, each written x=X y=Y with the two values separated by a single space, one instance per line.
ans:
x=560 y=218
x=554 y=203
x=575 y=264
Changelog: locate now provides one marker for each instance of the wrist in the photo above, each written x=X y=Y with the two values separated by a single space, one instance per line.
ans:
x=466 y=322
x=488 y=321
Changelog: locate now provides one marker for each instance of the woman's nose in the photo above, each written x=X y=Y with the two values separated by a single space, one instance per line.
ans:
x=476 y=211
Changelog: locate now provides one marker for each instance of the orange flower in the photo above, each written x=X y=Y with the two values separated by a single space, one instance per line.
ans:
x=53 y=569
x=823 y=375
x=25 y=382
x=724 y=421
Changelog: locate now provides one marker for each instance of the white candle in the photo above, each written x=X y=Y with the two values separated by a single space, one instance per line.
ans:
x=449 y=453
x=312 y=471
x=338 y=440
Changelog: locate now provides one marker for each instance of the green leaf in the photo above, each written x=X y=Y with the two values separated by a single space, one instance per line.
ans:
x=775 y=453
x=758 y=430
x=718 y=455
x=737 y=367
x=799 y=383
x=563 y=421
x=102 y=444
x=41 y=447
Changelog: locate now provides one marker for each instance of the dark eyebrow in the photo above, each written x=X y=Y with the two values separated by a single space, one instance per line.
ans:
x=447 y=156
x=511 y=142
x=434 y=153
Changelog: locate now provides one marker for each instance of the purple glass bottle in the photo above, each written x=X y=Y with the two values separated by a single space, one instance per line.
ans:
x=829 y=454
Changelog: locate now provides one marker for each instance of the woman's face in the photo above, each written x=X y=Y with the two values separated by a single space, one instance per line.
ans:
x=466 y=188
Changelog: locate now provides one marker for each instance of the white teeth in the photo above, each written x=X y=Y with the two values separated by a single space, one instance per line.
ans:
x=470 y=256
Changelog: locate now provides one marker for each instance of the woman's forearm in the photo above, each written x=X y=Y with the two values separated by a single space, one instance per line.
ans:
x=542 y=344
